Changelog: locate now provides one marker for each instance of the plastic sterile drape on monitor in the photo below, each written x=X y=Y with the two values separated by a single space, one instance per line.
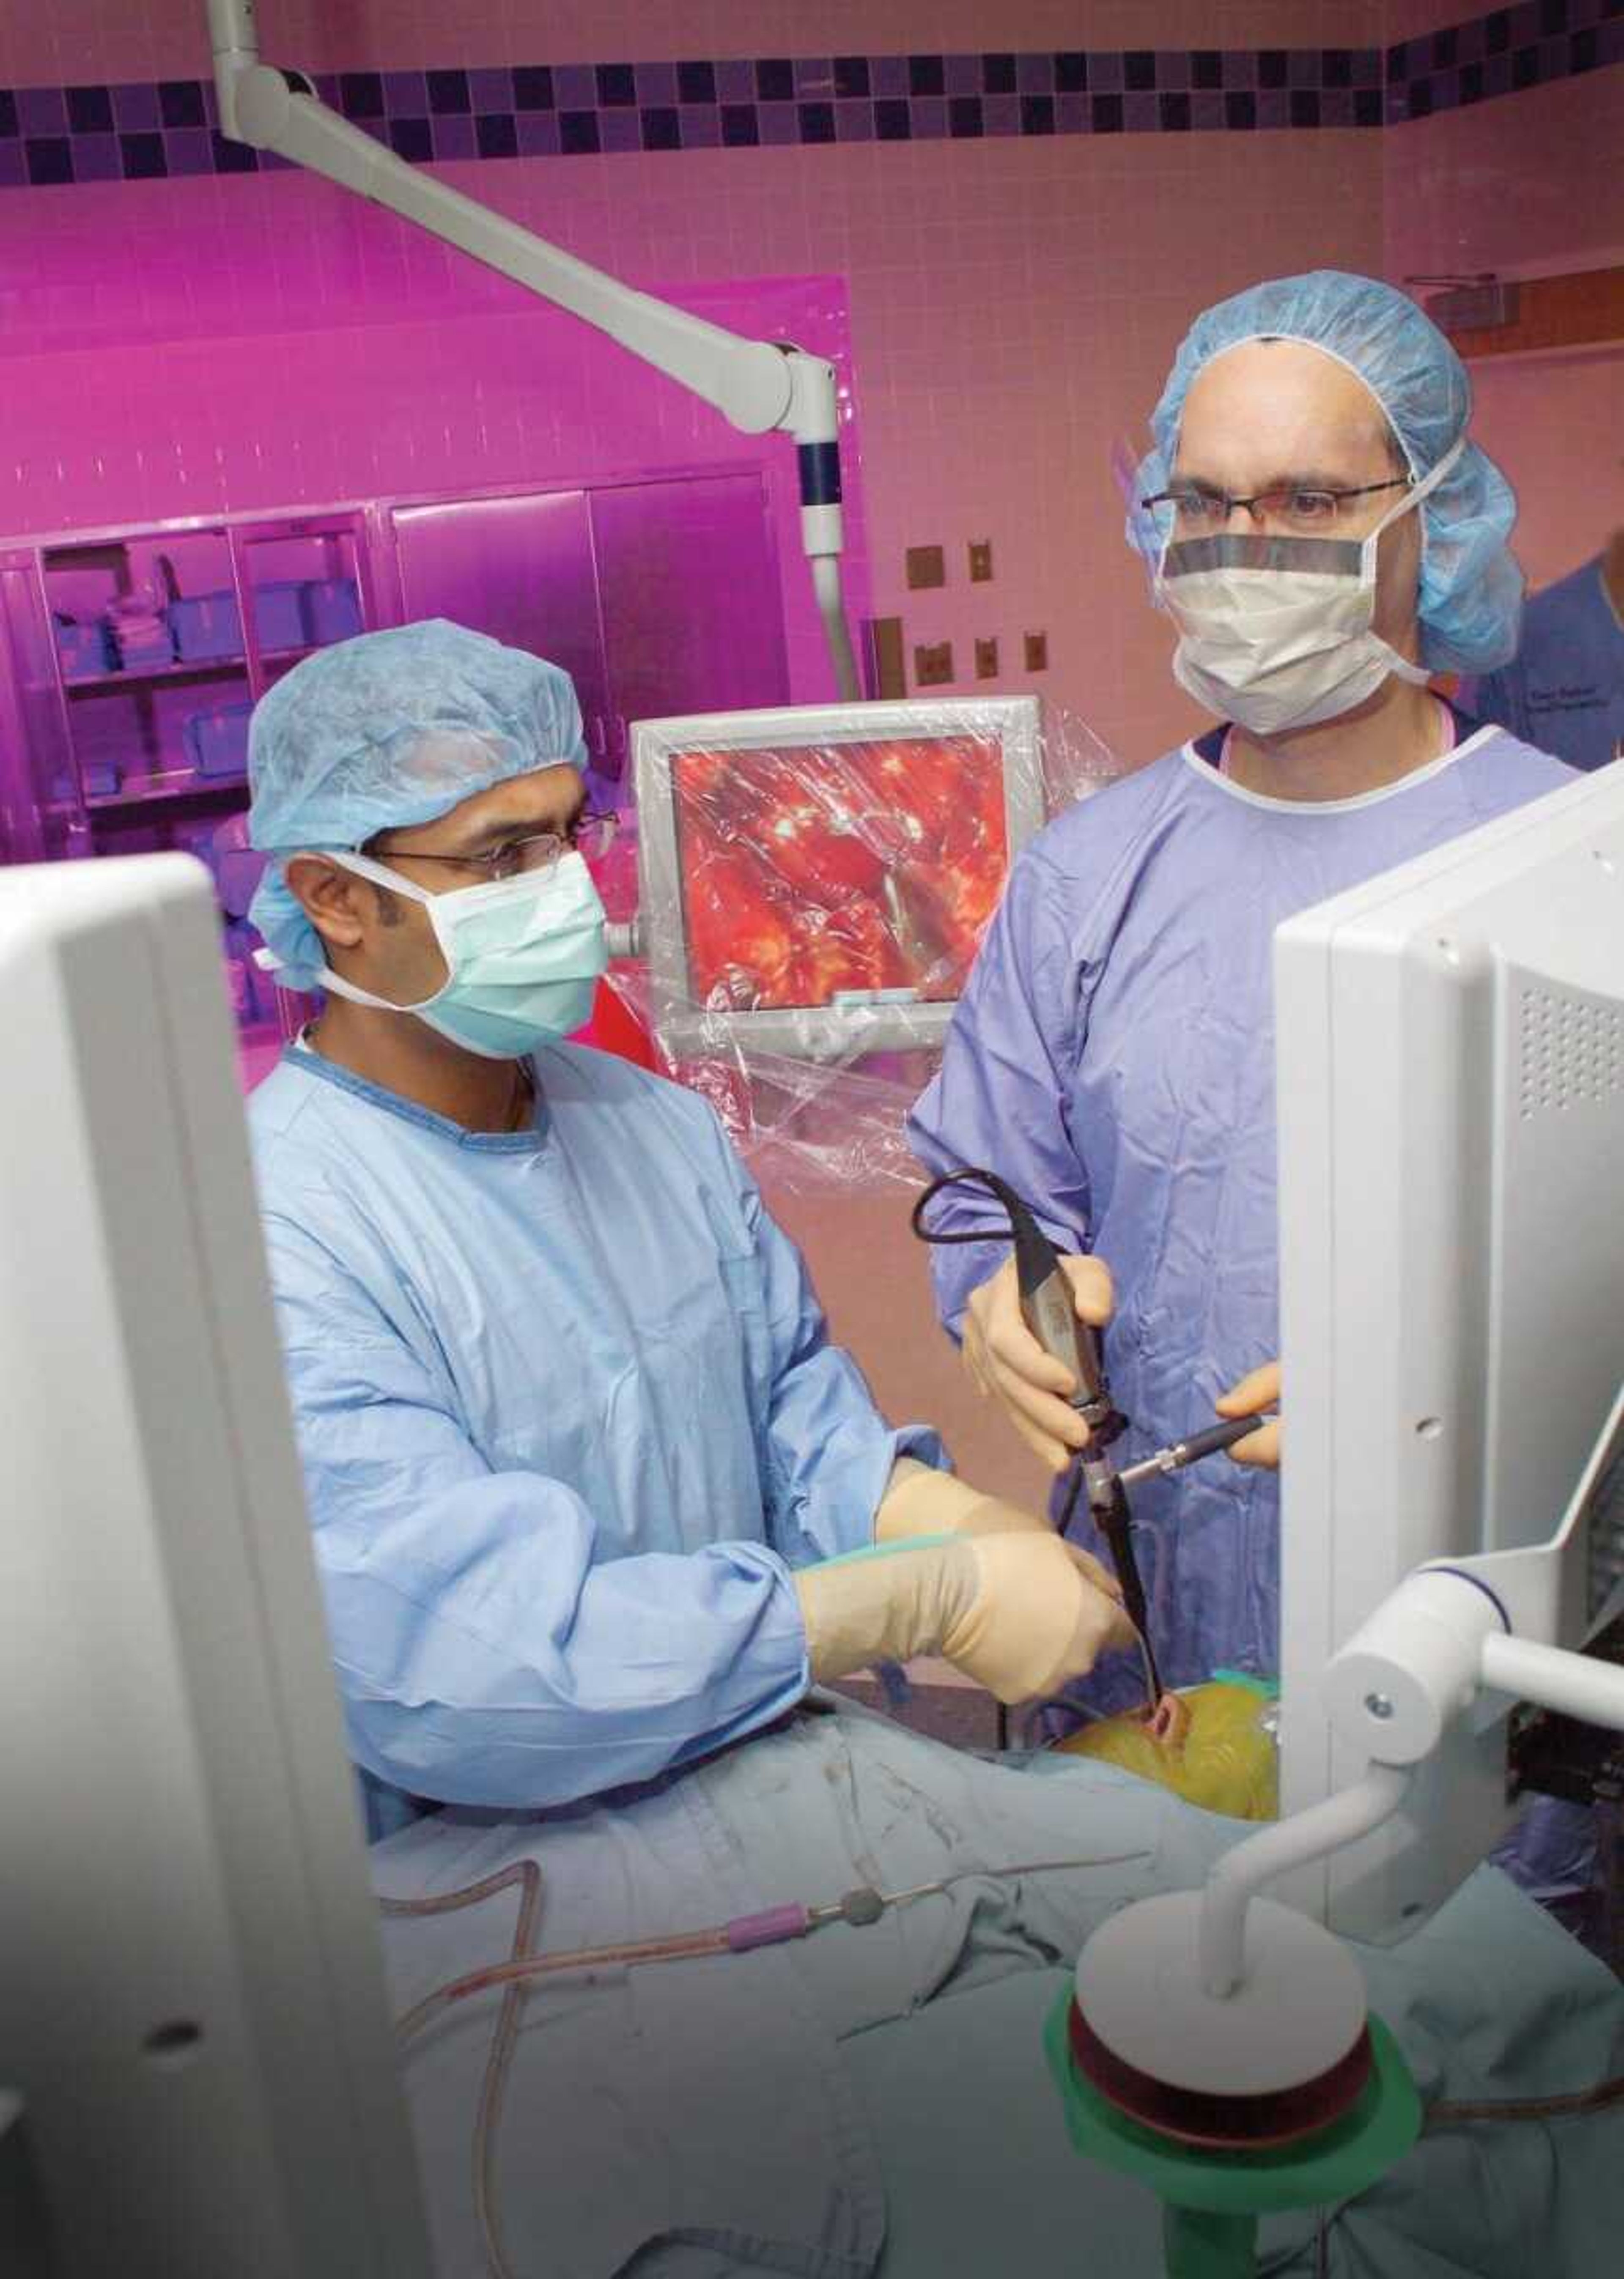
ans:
x=814 y=884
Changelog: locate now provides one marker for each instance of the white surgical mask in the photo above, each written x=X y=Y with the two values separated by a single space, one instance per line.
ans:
x=522 y=956
x=1277 y=632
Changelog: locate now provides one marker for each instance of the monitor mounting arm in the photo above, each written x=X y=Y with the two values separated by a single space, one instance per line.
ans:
x=758 y=386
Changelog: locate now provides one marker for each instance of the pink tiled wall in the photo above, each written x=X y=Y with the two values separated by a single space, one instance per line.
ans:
x=78 y=41
x=1530 y=188
x=1013 y=306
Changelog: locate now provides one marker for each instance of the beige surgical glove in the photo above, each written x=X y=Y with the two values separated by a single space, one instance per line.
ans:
x=1249 y=1398
x=1007 y=1363
x=1021 y=1613
x=921 y=1501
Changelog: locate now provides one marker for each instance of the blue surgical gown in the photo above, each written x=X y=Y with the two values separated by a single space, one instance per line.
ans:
x=1564 y=690
x=568 y=1416
x=1113 y=1059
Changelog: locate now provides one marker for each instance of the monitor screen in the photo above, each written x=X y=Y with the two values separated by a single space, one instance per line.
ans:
x=872 y=866
x=816 y=880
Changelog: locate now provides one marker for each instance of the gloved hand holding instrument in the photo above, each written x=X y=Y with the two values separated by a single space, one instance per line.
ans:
x=1050 y=1311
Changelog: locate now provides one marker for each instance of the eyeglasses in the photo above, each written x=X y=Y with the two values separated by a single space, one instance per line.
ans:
x=591 y=835
x=1290 y=509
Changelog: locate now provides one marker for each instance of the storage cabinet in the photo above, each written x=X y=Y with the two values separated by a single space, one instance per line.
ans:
x=130 y=660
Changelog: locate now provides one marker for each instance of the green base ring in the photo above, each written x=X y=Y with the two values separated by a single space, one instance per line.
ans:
x=1213 y=2199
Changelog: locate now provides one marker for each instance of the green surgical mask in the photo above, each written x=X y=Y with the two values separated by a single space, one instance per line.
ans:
x=522 y=956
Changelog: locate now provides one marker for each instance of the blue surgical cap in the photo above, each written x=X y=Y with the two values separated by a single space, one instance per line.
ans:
x=1471 y=586
x=384 y=732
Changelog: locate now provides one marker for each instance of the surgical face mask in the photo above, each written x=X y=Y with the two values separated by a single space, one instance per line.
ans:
x=522 y=956
x=1277 y=632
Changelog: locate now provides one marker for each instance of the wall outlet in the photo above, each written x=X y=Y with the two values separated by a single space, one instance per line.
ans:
x=932 y=664
x=1036 y=652
x=986 y=659
x=981 y=561
x=925 y=566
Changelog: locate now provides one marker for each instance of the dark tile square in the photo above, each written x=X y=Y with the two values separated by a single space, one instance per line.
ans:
x=775 y=80
x=1070 y=74
x=926 y=75
x=1471 y=83
x=89 y=110
x=1497 y=32
x=1583 y=54
x=1368 y=108
x=851 y=77
x=1336 y=67
x=497 y=135
x=447 y=92
x=1175 y=113
x=1205 y=68
x=1398 y=62
x=411 y=139
x=817 y=122
x=741 y=128
x=1106 y=113
x=1525 y=67
x=8 y=113
x=617 y=87
x=1240 y=110
x=532 y=88
x=180 y=103
x=1138 y=70
x=661 y=128
x=998 y=74
x=893 y=123
x=1305 y=107
x=143 y=157
x=1553 y=17
x=232 y=157
x=360 y=95
x=696 y=82
x=1273 y=67
x=1418 y=102
x=964 y=119
x=1037 y=114
x=578 y=133
x=50 y=156
x=1445 y=49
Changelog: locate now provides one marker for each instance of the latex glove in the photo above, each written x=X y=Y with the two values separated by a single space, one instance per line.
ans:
x=919 y=1501
x=1009 y=1365
x=1022 y=1613
x=1249 y=1398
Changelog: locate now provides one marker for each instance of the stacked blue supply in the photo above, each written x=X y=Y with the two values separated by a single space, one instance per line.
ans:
x=207 y=628
x=216 y=741
x=86 y=650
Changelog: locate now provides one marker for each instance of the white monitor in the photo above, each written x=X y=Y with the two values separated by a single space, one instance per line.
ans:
x=1449 y=1058
x=814 y=881
x=192 y=1999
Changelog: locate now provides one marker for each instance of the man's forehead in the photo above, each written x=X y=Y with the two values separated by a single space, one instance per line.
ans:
x=542 y=796
x=1280 y=408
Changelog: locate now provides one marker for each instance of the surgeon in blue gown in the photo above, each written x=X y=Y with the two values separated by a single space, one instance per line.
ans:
x=579 y=1455
x=1325 y=535
x=1564 y=690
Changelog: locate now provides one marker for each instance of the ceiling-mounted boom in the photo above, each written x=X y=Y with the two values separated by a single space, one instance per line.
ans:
x=757 y=385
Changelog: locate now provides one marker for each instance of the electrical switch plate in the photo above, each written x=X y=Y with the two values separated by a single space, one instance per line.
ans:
x=986 y=659
x=980 y=561
x=1036 y=652
x=926 y=566
x=932 y=665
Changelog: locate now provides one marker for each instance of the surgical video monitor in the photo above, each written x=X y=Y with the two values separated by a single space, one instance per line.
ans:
x=192 y=2000
x=1450 y=1059
x=814 y=881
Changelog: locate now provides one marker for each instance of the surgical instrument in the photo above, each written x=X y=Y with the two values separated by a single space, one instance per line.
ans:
x=1049 y=1312
x=1178 y=1453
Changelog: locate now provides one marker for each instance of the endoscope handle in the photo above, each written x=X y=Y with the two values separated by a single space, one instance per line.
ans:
x=1049 y=1309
